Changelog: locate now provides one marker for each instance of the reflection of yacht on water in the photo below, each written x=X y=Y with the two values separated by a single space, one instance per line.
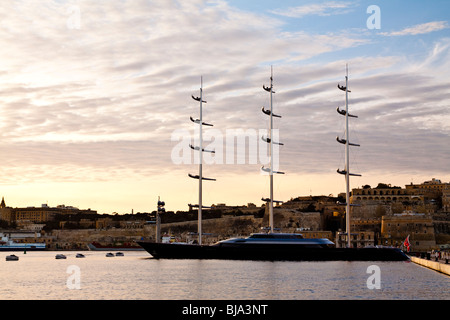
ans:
x=271 y=245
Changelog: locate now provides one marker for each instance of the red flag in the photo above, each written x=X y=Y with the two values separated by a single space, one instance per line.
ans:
x=407 y=244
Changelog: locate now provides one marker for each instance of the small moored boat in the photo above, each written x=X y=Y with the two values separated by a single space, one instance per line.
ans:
x=12 y=257
x=60 y=256
x=109 y=254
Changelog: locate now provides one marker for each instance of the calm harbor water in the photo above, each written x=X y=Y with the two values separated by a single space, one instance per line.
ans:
x=137 y=276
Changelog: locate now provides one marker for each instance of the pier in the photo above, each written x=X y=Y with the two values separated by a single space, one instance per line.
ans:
x=439 y=265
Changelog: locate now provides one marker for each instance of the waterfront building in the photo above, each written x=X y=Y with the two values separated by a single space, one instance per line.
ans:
x=385 y=194
x=104 y=223
x=40 y=214
x=132 y=224
x=316 y=234
x=430 y=197
x=250 y=208
x=33 y=214
x=22 y=236
x=446 y=198
x=430 y=189
x=369 y=225
x=359 y=239
x=418 y=226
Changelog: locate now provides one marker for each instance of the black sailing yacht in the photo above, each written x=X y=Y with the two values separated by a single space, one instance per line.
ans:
x=265 y=246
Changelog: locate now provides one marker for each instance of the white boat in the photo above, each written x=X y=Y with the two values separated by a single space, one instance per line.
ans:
x=12 y=257
x=6 y=244
x=60 y=256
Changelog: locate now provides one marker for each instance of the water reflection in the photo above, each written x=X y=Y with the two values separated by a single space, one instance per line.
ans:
x=136 y=276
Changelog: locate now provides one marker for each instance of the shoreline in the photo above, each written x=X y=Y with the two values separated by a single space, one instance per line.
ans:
x=433 y=265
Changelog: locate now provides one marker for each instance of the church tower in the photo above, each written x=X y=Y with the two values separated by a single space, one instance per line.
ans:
x=6 y=214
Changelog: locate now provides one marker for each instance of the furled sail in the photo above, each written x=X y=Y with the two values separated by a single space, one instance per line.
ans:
x=198 y=177
x=268 y=89
x=198 y=121
x=343 y=112
x=268 y=200
x=268 y=112
x=268 y=141
x=198 y=148
x=343 y=141
x=197 y=98
x=345 y=172
x=343 y=88
x=268 y=170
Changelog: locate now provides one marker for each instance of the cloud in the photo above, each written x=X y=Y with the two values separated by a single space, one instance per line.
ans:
x=322 y=9
x=419 y=29
x=100 y=103
x=126 y=73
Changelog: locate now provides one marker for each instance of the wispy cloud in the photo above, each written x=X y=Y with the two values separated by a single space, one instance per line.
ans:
x=419 y=29
x=320 y=9
x=99 y=103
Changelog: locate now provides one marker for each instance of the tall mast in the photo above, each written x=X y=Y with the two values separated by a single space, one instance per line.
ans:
x=346 y=171
x=269 y=140
x=271 y=151
x=200 y=167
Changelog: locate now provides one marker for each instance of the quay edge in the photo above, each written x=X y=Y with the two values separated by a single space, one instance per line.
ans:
x=437 y=266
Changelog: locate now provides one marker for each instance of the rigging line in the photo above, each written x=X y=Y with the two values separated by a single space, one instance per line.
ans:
x=355 y=152
x=341 y=149
x=355 y=156
x=193 y=194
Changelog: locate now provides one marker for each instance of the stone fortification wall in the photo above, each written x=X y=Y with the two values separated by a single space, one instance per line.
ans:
x=79 y=238
x=292 y=218
x=218 y=229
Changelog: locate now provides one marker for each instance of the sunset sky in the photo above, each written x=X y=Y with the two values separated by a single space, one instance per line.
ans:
x=92 y=92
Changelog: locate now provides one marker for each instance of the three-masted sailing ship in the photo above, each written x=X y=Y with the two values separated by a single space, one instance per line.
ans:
x=266 y=245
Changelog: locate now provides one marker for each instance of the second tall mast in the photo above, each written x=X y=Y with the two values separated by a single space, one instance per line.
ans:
x=269 y=140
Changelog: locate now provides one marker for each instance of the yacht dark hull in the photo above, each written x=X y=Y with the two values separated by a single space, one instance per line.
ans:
x=270 y=253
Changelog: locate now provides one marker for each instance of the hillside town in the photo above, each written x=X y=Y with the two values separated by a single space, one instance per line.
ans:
x=381 y=215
